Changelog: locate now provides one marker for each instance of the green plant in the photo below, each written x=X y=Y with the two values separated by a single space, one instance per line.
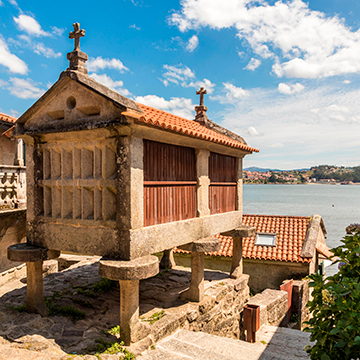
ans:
x=335 y=306
x=85 y=303
x=154 y=317
x=295 y=318
x=114 y=331
x=106 y=347
x=20 y=308
x=102 y=286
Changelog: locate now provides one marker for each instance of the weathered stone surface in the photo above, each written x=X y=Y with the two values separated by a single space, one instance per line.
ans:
x=241 y=231
x=209 y=244
x=167 y=261
x=29 y=253
x=273 y=307
x=138 y=269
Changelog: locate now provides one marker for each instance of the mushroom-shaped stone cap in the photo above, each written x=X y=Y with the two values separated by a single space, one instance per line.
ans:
x=242 y=231
x=29 y=253
x=208 y=244
x=137 y=269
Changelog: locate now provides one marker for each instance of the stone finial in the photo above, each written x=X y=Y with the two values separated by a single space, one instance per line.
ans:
x=77 y=58
x=201 y=109
x=201 y=92
x=76 y=34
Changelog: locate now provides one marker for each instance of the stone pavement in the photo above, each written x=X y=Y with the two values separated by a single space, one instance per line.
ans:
x=273 y=343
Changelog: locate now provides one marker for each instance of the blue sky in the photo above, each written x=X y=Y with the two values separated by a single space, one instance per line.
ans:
x=282 y=74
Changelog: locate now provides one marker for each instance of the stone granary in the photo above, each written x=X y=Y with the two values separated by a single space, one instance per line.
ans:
x=107 y=176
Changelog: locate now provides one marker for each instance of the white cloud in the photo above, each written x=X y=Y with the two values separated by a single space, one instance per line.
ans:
x=30 y=25
x=253 y=64
x=184 y=76
x=95 y=64
x=24 y=89
x=290 y=89
x=303 y=43
x=320 y=123
x=57 y=31
x=232 y=94
x=13 y=2
x=346 y=82
x=133 y=26
x=11 y=61
x=41 y=49
x=277 y=145
x=14 y=113
x=3 y=83
x=1 y=3
x=110 y=83
x=177 y=74
x=252 y=131
x=179 y=106
x=192 y=43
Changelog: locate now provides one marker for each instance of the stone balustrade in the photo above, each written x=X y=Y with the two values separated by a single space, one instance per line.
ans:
x=12 y=187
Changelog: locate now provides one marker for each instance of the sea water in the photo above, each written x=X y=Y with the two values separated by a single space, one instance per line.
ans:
x=338 y=205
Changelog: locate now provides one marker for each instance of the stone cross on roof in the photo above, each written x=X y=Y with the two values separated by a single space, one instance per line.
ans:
x=76 y=34
x=201 y=92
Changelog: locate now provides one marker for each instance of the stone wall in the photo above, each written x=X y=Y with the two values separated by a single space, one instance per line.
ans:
x=219 y=313
x=300 y=297
x=263 y=274
x=12 y=231
x=273 y=307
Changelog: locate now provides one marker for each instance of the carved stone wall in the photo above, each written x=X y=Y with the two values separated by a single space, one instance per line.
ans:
x=12 y=187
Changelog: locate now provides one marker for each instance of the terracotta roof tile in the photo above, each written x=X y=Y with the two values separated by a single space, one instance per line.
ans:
x=7 y=118
x=162 y=119
x=288 y=246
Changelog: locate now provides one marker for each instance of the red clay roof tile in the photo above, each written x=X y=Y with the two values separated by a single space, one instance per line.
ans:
x=162 y=119
x=288 y=244
x=7 y=118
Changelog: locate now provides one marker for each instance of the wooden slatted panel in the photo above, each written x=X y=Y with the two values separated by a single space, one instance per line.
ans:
x=222 y=192
x=169 y=183
x=165 y=162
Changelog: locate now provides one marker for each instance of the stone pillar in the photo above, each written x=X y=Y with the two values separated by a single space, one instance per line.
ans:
x=35 y=291
x=196 y=290
x=130 y=190
x=167 y=260
x=198 y=248
x=237 y=260
x=128 y=273
x=203 y=182
x=19 y=153
x=239 y=185
x=129 y=308
x=33 y=256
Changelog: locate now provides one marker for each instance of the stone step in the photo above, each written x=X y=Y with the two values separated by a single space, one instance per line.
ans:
x=272 y=344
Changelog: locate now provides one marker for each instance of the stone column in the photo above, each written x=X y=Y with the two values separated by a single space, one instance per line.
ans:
x=33 y=256
x=203 y=182
x=237 y=259
x=35 y=291
x=19 y=153
x=128 y=273
x=239 y=185
x=198 y=248
x=167 y=260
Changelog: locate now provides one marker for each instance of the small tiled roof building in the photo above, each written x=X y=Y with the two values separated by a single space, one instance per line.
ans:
x=297 y=250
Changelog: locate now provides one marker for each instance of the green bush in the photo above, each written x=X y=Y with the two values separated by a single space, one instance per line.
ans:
x=335 y=308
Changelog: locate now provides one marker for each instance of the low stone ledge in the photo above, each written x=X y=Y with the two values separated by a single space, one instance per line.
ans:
x=273 y=307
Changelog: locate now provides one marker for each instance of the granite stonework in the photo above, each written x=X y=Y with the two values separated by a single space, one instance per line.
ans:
x=300 y=297
x=273 y=307
x=219 y=313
